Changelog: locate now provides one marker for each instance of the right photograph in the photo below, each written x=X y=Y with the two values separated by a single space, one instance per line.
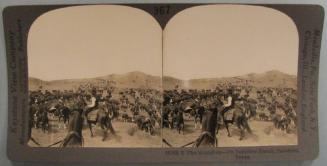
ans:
x=230 y=77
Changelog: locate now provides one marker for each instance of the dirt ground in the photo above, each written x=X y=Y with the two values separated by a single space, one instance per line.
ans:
x=127 y=135
x=263 y=134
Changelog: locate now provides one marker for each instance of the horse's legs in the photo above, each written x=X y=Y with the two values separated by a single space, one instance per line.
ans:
x=181 y=128
x=242 y=134
x=150 y=129
x=247 y=127
x=225 y=123
x=227 y=128
x=105 y=131
x=109 y=126
x=169 y=124
x=278 y=124
x=47 y=125
x=43 y=127
x=65 y=120
x=90 y=127
x=240 y=125
x=217 y=128
x=37 y=124
x=216 y=141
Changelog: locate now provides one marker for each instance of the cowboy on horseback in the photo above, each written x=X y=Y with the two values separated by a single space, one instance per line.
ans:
x=94 y=103
x=227 y=108
x=230 y=102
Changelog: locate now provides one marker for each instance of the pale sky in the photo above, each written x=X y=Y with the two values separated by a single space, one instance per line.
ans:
x=229 y=40
x=199 y=42
x=91 y=41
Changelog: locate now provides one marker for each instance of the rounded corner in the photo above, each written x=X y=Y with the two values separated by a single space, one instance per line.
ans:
x=6 y=10
x=11 y=155
x=321 y=9
x=314 y=154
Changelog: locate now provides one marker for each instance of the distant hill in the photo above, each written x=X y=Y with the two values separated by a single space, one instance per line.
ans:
x=138 y=79
x=171 y=82
x=272 y=78
x=35 y=83
x=132 y=80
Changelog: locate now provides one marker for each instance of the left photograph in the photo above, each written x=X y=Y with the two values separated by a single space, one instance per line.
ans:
x=90 y=80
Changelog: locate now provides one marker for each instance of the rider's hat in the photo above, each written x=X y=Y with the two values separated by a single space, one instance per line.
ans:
x=230 y=91
x=94 y=91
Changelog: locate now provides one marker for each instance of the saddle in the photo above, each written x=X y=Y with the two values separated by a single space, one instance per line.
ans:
x=229 y=114
x=92 y=116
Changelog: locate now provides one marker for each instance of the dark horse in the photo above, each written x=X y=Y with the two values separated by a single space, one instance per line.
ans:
x=64 y=113
x=103 y=117
x=239 y=117
x=43 y=120
x=209 y=124
x=178 y=121
x=146 y=124
x=74 y=137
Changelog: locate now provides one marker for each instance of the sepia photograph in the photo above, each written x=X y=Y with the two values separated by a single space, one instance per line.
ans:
x=230 y=77
x=162 y=82
x=215 y=76
x=95 y=78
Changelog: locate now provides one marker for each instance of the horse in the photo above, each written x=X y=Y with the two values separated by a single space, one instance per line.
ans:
x=112 y=107
x=207 y=138
x=40 y=116
x=145 y=124
x=126 y=118
x=239 y=118
x=74 y=137
x=32 y=122
x=241 y=121
x=41 y=119
x=209 y=124
x=64 y=113
x=251 y=108
x=102 y=117
x=282 y=122
x=177 y=119
x=165 y=118
x=198 y=114
x=263 y=117
x=33 y=110
x=178 y=122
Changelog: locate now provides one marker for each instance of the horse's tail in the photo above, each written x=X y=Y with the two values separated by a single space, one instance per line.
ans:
x=70 y=136
x=201 y=138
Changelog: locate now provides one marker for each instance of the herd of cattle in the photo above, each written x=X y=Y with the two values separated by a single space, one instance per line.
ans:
x=151 y=110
